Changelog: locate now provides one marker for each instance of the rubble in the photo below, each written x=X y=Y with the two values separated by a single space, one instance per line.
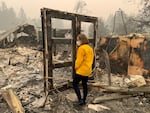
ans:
x=135 y=81
x=128 y=54
x=23 y=34
x=26 y=79
x=18 y=70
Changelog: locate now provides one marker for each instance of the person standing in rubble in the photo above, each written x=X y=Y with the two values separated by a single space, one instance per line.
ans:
x=83 y=67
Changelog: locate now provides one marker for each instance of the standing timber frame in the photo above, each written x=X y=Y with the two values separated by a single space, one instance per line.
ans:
x=49 y=41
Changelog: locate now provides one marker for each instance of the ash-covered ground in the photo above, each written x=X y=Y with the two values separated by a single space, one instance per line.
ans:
x=21 y=68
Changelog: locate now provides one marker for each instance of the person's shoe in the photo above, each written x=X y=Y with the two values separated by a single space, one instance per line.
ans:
x=80 y=102
x=84 y=102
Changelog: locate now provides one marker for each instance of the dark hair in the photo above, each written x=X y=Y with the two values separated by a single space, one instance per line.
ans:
x=83 y=38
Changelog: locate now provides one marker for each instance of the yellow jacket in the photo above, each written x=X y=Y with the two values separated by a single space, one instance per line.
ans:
x=84 y=60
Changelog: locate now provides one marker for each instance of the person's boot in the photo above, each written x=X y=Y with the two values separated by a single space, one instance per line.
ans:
x=84 y=102
x=81 y=102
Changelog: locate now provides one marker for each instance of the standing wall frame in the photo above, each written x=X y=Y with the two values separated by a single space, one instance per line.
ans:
x=49 y=41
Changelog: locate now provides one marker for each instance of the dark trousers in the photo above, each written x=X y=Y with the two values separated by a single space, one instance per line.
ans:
x=76 y=81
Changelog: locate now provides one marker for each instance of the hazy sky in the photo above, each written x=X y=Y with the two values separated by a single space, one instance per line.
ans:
x=99 y=8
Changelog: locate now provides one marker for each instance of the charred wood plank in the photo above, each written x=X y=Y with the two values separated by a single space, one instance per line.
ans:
x=66 y=15
x=143 y=89
x=61 y=41
x=64 y=64
x=45 y=51
x=60 y=78
x=109 y=98
x=13 y=101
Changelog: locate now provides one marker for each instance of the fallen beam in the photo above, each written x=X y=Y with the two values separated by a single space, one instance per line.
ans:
x=12 y=101
x=145 y=89
x=113 y=89
x=109 y=97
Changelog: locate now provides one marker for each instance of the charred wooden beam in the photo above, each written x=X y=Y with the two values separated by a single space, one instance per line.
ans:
x=61 y=41
x=137 y=90
x=46 y=53
x=58 y=14
x=13 y=101
x=109 y=98
x=87 y=18
x=66 y=41
x=60 y=65
x=113 y=89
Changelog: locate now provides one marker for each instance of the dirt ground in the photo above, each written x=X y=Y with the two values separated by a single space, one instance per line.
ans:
x=21 y=69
